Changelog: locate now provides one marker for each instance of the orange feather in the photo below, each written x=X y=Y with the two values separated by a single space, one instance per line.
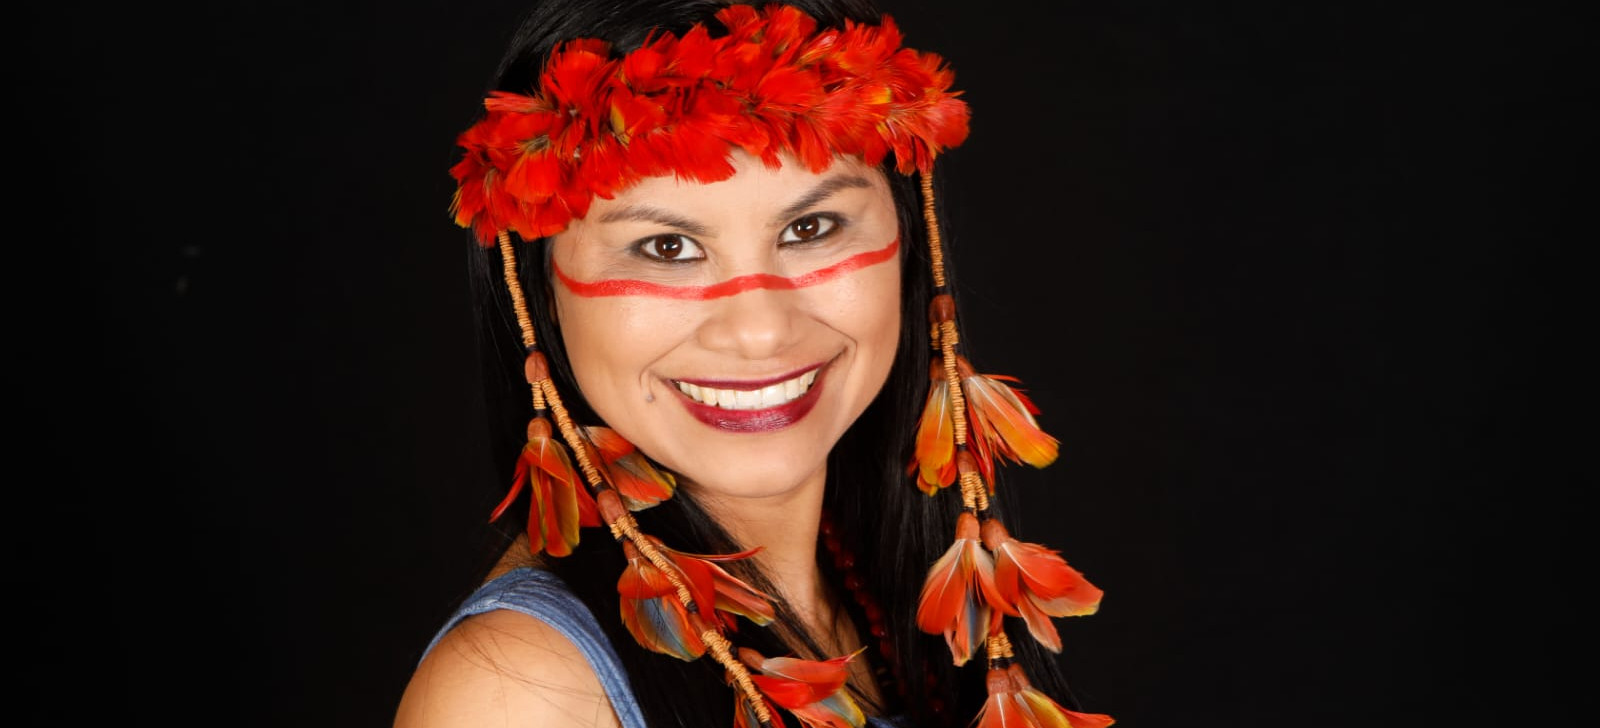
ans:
x=636 y=479
x=1035 y=583
x=1014 y=703
x=936 y=444
x=957 y=594
x=1046 y=711
x=811 y=689
x=1003 y=418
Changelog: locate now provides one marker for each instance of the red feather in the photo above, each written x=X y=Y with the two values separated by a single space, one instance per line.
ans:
x=656 y=616
x=652 y=611
x=1035 y=583
x=639 y=482
x=1003 y=418
x=558 y=504
x=813 y=690
x=773 y=85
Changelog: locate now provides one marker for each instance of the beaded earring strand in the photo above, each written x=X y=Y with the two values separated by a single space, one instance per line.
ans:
x=970 y=419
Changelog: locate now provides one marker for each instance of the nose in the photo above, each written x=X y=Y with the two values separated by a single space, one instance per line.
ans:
x=754 y=324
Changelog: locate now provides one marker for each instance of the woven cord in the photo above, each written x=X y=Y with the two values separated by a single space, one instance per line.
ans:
x=974 y=494
x=999 y=646
x=519 y=302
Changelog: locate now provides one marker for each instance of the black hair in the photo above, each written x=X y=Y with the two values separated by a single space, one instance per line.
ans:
x=894 y=530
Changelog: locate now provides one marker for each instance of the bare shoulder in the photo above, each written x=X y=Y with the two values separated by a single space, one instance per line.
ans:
x=504 y=668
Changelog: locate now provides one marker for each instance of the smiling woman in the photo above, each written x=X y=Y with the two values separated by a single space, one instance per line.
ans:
x=716 y=229
x=778 y=334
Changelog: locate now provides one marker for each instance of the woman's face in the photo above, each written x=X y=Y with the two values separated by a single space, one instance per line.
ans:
x=734 y=330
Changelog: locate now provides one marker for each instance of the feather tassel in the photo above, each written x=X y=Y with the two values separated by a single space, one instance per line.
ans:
x=812 y=690
x=934 y=459
x=1002 y=419
x=1035 y=583
x=658 y=619
x=559 y=503
x=1014 y=703
x=639 y=482
x=958 y=592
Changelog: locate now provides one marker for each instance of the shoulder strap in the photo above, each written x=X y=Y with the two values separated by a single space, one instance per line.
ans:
x=543 y=596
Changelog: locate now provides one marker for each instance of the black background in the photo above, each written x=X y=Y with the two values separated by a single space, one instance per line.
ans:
x=1286 y=279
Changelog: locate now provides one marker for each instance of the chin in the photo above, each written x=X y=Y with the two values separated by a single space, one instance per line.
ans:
x=767 y=479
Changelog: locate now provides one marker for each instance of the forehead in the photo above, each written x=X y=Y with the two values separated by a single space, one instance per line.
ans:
x=753 y=182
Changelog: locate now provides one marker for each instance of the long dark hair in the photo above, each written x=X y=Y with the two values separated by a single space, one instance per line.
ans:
x=894 y=531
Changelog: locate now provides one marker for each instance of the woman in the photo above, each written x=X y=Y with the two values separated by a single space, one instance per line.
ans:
x=716 y=229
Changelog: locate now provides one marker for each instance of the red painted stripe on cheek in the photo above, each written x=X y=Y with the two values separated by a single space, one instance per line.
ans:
x=732 y=286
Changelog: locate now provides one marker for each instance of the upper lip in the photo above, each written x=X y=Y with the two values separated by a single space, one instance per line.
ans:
x=750 y=384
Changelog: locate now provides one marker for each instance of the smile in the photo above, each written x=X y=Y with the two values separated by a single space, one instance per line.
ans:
x=753 y=406
x=772 y=395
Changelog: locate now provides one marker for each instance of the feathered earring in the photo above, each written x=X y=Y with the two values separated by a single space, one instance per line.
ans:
x=971 y=420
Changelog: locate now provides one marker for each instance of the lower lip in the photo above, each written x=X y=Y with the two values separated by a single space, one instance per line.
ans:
x=756 y=420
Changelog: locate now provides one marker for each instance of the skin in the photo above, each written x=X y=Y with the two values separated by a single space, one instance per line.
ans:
x=670 y=242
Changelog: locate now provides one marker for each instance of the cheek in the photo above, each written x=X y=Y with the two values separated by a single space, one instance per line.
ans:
x=867 y=307
x=611 y=343
x=594 y=332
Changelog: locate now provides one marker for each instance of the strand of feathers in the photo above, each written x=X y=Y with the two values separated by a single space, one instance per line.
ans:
x=969 y=421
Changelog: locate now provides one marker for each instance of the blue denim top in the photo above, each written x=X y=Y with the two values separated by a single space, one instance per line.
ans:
x=543 y=596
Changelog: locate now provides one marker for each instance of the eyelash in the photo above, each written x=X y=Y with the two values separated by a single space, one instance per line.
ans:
x=831 y=222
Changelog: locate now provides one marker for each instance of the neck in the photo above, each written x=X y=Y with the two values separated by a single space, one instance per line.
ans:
x=785 y=526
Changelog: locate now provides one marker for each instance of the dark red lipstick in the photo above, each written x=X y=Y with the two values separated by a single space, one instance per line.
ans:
x=756 y=420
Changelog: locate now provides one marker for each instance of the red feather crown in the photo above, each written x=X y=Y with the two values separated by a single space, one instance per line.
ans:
x=773 y=84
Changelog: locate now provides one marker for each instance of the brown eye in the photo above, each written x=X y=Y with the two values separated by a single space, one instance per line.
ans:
x=808 y=228
x=667 y=247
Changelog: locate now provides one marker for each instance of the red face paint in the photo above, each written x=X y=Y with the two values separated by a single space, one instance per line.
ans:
x=732 y=286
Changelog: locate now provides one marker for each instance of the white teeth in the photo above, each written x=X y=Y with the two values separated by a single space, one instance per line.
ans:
x=749 y=399
x=773 y=396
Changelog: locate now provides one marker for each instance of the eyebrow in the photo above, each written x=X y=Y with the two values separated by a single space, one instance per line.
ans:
x=647 y=213
x=819 y=193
